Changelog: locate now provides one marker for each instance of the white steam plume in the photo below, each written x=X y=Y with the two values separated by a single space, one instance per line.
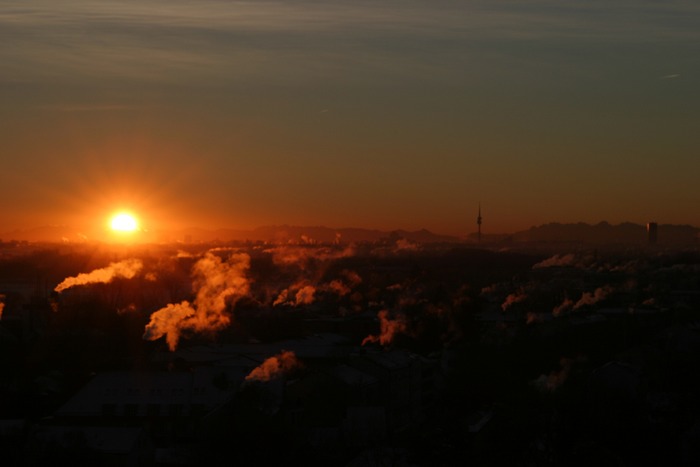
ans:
x=556 y=260
x=566 y=305
x=217 y=283
x=126 y=269
x=303 y=293
x=532 y=317
x=301 y=256
x=274 y=367
x=588 y=298
x=552 y=382
x=512 y=299
x=388 y=327
x=344 y=287
x=339 y=288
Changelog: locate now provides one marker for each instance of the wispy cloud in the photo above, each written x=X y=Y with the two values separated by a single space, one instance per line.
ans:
x=151 y=39
x=69 y=108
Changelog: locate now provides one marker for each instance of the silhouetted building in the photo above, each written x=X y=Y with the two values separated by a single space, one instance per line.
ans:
x=96 y=445
x=652 y=232
x=173 y=405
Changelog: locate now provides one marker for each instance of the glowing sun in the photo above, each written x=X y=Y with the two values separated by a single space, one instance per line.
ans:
x=124 y=222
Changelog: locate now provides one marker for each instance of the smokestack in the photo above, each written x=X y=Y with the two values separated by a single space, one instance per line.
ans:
x=652 y=233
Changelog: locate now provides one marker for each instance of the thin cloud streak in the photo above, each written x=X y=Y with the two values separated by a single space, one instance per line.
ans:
x=149 y=40
x=90 y=108
x=542 y=18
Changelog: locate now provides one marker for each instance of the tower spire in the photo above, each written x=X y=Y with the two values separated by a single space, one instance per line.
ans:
x=478 y=224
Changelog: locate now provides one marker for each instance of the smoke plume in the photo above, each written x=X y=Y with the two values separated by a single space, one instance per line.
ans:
x=217 y=284
x=344 y=287
x=282 y=298
x=126 y=269
x=562 y=307
x=588 y=298
x=512 y=299
x=352 y=277
x=532 y=317
x=274 y=367
x=339 y=288
x=402 y=245
x=302 y=257
x=303 y=293
x=388 y=327
x=556 y=260
x=555 y=379
x=586 y=261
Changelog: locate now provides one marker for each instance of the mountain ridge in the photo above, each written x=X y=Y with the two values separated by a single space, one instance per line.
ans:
x=556 y=232
x=606 y=233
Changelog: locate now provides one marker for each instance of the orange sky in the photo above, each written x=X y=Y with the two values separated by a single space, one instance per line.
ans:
x=390 y=115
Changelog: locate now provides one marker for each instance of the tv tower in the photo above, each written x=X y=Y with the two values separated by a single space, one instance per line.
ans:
x=478 y=225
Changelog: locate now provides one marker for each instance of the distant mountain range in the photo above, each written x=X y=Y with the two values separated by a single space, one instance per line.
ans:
x=307 y=234
x=275 y=234
x=601 y=233
x=605 y=233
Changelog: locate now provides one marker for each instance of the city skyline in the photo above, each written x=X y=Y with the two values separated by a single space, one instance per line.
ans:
x=384 y=115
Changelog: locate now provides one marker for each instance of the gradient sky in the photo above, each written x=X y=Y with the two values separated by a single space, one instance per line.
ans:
x=382 y=114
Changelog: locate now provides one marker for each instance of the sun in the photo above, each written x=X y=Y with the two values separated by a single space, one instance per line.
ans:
x=124 y=222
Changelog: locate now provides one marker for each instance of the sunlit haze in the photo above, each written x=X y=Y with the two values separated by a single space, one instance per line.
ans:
x=383 y=115
x=124 y=222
